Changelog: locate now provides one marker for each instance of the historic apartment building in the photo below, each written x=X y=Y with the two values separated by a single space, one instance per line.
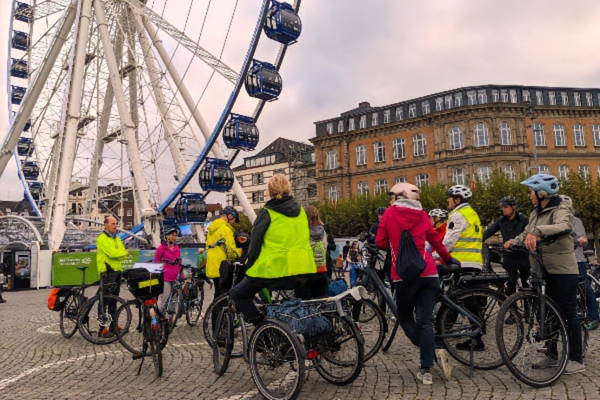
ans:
x=294 y=159
x=457 y=136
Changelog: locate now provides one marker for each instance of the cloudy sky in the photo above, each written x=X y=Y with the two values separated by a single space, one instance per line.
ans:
x=385 y=51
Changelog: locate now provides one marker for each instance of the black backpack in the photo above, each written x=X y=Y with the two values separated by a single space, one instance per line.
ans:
x=409 y=263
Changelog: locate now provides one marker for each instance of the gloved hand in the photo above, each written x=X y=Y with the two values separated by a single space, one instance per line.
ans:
x=455 y=261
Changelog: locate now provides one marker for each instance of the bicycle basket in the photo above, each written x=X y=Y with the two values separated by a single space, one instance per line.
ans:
x=306 y=319
x=143 y=283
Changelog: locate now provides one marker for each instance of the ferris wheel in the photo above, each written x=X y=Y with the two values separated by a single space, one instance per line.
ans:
x=128 y=100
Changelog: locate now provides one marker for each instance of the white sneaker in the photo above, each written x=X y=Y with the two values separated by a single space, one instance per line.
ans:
x=574 y=367
x=444 y=361
x=426 y=378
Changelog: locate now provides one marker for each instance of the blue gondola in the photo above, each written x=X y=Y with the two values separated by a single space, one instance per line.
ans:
x=27 y=126
x=282 y=24
x=240 y=133
x=216 y=175
x=30 y=169
x=20 y=40
x=19 y=69
x=36 y=189
x=17 y=94
x=22 y=12
x=263 y=81
x=190 y=207
x=25 y=147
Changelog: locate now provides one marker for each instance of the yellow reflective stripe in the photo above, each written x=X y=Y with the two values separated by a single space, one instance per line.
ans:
x=465 y=250
x=151 y=282
x=469 y=239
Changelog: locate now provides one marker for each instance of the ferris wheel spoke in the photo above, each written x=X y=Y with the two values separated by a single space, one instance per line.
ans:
x=46 y=8
x=216 y=64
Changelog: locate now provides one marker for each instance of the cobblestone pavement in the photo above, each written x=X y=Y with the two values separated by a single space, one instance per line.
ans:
x=36 y=362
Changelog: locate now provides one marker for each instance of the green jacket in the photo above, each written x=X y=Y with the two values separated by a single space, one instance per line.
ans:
x=110 y=249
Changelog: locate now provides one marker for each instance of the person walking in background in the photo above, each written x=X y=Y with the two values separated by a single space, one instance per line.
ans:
x=354 y=262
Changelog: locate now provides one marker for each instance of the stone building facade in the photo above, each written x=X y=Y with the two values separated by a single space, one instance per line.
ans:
x=457 y=136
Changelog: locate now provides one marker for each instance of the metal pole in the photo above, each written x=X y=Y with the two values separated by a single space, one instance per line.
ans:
x=185 y=94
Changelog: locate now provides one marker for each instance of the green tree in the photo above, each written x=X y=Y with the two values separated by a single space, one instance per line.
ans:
x=434 y=196
x=486 y=197
x=586 y=200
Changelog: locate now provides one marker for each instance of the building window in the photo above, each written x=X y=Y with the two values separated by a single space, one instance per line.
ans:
x=539 y=136
x=363 y=188
x=559 y=135
x=439 y=104
x=351 y=124
x=129 y=225
x=510 y=173
x=311 y=173
x=279 y=171
x=513 y=96
x=386 y=116
x=362 y=124
x=458 y=176
x=504 y=96
x=374 y=119
x=457 y=138
x=577 y=98
x=448 y=101
x=333 y=193
x=481 y=97
x=495 y=96
x=563 y=171
x=312 y=190
x=458 y=101
x=379 y=151
x=258 y=178
x=258 y=197
x=361 y=155
x=482 y=136
x=400 y=179
x=419 y=145
x=399 y=114
x=234 y=200
x=425 y=107
x=381 y=186
x=544 y=169
x=331 y=160
x=412 y=111
x=505 y=134
x=422 y=179
x=471 y=97
x=526 y=95
x=589 y=99
x=596 y=133
x=340 y=126
x=399 y=148
x=552 y=97
x=584 y=171
x=483 y=173
x=129 y=212
x=539 y=97
x=329 y=128
x=240 y=180
x=578 y=135
x=565 y=98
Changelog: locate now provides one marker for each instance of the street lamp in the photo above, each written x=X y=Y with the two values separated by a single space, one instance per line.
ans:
x=534 y=131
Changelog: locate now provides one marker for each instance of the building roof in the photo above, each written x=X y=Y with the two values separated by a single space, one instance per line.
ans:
x=284 y=146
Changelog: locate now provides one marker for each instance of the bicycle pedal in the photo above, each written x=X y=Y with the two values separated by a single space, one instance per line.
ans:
x=137 y=356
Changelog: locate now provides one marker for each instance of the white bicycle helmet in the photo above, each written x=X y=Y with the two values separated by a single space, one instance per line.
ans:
x=436 y=212
x=459 y=191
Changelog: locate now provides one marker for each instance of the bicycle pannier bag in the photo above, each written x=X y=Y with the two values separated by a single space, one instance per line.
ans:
x=57 y=299
x=143 y=283
x=336 y=287
x=305 y=319
x=409 y=263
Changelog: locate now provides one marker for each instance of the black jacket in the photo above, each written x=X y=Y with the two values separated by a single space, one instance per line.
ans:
x=510 y=229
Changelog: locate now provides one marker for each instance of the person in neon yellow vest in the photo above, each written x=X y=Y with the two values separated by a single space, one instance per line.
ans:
x=280 y=255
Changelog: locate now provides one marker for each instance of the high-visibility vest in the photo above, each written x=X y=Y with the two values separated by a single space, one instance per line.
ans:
x=286 y=248
x=468 y=247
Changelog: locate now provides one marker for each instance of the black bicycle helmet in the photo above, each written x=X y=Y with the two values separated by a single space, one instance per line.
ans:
x=231 y=211
x=169 y=231
x=509 y=201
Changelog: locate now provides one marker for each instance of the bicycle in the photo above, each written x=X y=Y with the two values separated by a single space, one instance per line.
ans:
x=187 y=296
x=145 y=331
x=278 y=348
x=69 y=315
x=97 y=327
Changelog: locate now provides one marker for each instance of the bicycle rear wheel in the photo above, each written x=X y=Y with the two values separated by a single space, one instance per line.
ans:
x=210 y=316
x=68 y=316
x=341 y=353
x=584 y=317
x=173 y=308
x=535 y=362
x=485 y=304
x=223 y=341
x=156 y=349
x=129 y=317
x=373 y=325
x=95 y=323
x=194 y=300
x=276 y=365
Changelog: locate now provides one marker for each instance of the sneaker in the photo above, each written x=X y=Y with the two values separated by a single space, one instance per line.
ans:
x=593 y=325
x=574 y=367
x=466 y=345
x=547 y=362
x=106 y=334
x=425 y=377
x=442 y=356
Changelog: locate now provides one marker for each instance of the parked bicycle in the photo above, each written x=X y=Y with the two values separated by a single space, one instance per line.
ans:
x=186 y=297
x=74 y=301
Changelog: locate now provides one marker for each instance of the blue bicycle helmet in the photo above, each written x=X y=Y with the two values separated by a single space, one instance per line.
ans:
x=542 y=182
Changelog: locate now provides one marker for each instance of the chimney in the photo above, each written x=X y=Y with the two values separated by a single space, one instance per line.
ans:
x=364 y=103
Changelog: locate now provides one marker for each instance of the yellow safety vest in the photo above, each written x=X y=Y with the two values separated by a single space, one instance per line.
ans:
x=468 y=246
x=286 y=248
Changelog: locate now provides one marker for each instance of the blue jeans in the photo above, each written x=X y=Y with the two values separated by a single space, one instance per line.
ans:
x=589 y=292
x=563 y=290
x=418 y=298
x=353 y=266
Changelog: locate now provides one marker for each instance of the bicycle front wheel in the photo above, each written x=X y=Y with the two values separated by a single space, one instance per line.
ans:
x=210 y=317
x=95 y=322
x=131 y=334
x=276 y=365
x=535 y=360
x=194 y=300
x=223 y=341
x=174 y=306
x=68 y=316
x=373 y=325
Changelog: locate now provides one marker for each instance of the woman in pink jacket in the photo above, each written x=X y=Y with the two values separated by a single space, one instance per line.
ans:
x=169 y=254
x=418 y=298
